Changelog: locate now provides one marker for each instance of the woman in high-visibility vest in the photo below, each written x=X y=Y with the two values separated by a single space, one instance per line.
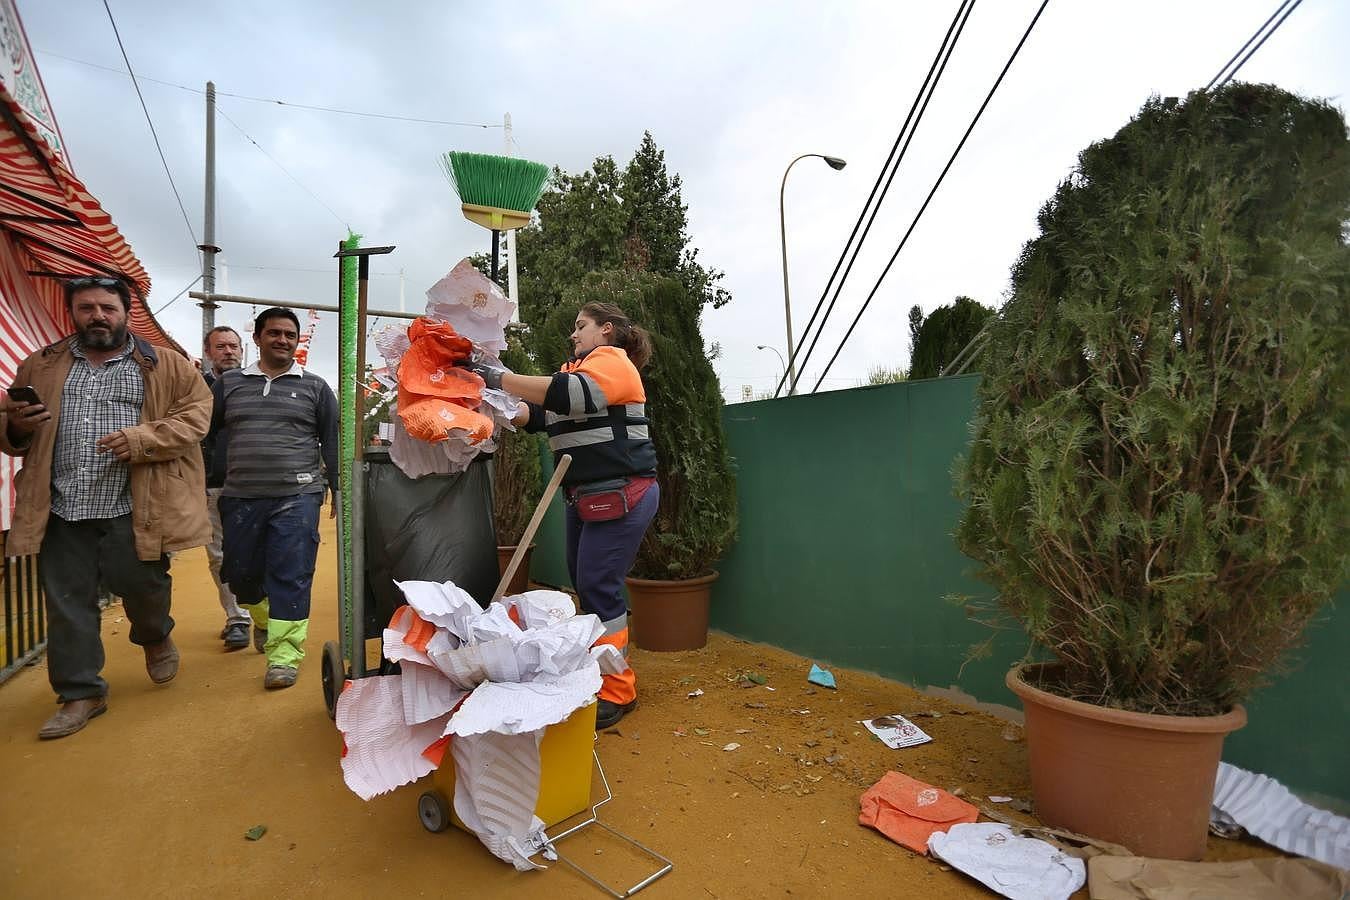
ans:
x=594 y=408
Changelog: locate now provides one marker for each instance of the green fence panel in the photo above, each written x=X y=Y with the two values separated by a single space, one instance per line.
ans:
x=845 y=555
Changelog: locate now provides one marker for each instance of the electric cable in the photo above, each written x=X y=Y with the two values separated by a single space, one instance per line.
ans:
x=177 y=295
x=151 y=123
x=939 y=64
x=947 y=168
x=1229 y=76
x=273 y=159
x=273 y=101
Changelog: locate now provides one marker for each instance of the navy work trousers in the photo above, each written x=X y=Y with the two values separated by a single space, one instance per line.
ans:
x=268 y=550
x=600 y=555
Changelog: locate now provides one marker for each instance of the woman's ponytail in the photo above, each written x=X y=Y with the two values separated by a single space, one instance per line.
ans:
x=633 y=339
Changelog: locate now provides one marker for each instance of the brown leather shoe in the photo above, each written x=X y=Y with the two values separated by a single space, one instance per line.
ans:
x=72 y=716
x=161 y=660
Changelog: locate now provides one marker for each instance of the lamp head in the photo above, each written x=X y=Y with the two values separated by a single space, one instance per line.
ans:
x=835 y=162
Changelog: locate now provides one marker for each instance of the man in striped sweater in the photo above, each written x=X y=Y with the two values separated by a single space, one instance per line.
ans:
x=280 y=426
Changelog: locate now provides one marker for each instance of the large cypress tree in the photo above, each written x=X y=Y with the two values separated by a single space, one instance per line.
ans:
x=1158 y=480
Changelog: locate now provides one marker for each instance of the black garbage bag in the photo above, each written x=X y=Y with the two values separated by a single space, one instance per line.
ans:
x=434 y=528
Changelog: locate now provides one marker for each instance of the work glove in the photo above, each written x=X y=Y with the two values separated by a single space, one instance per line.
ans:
x=490 y=372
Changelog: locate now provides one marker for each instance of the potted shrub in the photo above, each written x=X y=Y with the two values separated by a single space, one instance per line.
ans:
x=516 y=482
x=1157 y=480
x=670 y=587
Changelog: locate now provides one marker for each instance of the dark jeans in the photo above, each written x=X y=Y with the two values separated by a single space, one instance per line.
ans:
x=75 y=557
x=600 y=555
x=268 y=550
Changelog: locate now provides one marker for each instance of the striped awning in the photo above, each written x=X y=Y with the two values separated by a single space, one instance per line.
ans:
x=51 y=229
x=60 y=229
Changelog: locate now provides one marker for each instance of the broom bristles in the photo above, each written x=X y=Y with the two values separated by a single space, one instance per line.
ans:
x=501 y=181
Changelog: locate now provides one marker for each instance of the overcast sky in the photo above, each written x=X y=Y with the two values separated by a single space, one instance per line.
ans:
x=731 y=91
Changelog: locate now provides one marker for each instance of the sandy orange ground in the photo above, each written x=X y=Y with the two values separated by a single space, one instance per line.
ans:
x=153 y=798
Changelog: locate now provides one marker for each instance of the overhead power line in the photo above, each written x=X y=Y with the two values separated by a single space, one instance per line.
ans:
x=250 y=139
x=275 y=102
x=1258 y=33
x=892 y=163
x=151 y=123
x=945 y=169
x=177 y=295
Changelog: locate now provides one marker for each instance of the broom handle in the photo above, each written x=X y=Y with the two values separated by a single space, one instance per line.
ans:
x=531 y=528
x=496 y=238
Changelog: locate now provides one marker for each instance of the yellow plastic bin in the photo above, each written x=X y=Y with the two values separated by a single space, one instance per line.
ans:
x=564 y=775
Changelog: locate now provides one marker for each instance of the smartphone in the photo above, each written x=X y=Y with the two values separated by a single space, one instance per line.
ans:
x=23 y=394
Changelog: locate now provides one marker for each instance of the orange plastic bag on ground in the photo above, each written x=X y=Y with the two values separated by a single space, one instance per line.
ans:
x=907 y=811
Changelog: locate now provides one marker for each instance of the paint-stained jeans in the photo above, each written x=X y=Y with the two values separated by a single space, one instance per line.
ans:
x=75 y=558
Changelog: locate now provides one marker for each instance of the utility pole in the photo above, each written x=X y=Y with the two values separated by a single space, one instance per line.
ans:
x=208 y=245
x=510 y=235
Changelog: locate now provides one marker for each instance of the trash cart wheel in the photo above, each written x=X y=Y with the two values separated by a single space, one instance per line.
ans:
x=333 y=676
x=433 y=811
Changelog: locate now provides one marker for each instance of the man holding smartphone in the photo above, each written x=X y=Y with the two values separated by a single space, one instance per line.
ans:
x=112 y=483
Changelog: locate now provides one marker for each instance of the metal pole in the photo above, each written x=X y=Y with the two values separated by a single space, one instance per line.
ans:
x=511 y=286
x=787 y=297
x=208 y=245
x=359 y=478
x=297 y=304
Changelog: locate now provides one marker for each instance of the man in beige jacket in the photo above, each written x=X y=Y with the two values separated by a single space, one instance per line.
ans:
x=112 y=483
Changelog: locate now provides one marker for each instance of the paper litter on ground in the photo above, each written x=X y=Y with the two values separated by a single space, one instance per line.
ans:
x=1019 y=868
x=822 y=677
x=896 y=731
x=485 y=683
x=1270 y=812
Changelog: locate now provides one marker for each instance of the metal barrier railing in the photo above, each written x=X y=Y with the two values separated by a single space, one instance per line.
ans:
x=25 y=624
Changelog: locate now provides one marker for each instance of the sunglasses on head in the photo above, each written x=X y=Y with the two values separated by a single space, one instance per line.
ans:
x=93 y=281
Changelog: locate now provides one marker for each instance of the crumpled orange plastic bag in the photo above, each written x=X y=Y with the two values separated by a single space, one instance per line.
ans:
x=431 y=419
x=907 y=811
x=435 y=396
x=428 y=367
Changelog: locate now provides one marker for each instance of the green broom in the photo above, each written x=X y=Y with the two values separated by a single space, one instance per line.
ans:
x=497 y=192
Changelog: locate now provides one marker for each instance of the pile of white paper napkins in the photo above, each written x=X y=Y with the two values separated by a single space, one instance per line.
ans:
x=485 y=682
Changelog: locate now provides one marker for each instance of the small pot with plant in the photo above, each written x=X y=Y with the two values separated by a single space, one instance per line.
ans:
x=1157 y=480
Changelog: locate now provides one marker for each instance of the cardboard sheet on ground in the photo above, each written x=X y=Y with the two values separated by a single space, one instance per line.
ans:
x=1134 y=877
x=1268 y=810
x=896 y=731
x=1019 y=868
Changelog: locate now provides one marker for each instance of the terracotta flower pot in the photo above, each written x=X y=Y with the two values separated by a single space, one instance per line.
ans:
x=1144 y=781
x=520 y=581
x=669 y=615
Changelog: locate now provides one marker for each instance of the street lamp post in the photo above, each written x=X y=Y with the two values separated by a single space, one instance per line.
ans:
x=835 y=163
x=782 y=365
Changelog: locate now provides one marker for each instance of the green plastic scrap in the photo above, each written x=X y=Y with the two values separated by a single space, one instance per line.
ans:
x=256 y=832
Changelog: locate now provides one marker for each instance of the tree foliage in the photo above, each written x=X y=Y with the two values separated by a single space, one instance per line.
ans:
x=603 y=219
x=516 y=466
x=943 y=335
x=620 y=235
x=1158 y=480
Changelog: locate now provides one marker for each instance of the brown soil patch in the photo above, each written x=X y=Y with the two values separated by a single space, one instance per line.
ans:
x=153 y=798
